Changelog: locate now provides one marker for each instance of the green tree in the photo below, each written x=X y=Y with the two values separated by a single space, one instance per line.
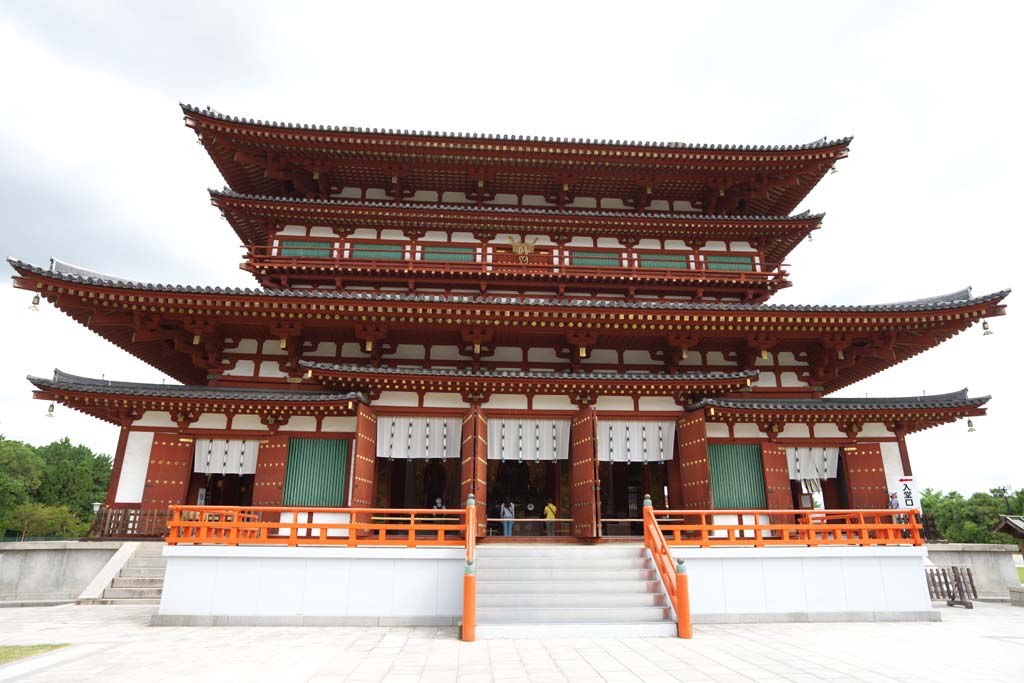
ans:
x=36 y=519
x=968 y=520
x=20 y=473
x=73 y=476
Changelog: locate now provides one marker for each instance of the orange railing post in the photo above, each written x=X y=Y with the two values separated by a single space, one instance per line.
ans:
x=685 y=626
x=469 y=575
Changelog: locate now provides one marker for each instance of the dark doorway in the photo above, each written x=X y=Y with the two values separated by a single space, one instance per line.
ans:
x=416 y=483
x=623 y=486
x=528 y=486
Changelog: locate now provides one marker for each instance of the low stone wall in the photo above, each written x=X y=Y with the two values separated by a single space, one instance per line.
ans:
x=253 y=586
x=832 y=583
x=50 y=571
x=1017 y=596
x=991 y=565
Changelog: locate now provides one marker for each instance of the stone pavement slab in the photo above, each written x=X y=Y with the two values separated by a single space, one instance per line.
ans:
x=116 y=643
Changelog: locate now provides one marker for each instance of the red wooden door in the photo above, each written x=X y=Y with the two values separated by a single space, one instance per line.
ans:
x=689 y=474
x=584 y=484
x=271 y=466
x=473 y=457
x=364 y=460
x=169 y=471
x=865 y=477
x=778 y=493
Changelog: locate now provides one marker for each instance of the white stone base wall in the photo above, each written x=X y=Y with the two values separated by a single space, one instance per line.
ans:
x=278 y=585
x=730 y=585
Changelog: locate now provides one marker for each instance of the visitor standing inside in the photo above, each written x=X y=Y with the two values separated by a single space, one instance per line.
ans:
x=550 y=513
x=508 y=513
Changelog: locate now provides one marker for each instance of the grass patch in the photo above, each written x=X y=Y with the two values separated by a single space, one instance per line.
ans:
x=9 y=653
x=1020 y=573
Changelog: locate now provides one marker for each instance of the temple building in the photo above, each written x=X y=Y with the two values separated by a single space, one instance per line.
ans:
x=528 y=320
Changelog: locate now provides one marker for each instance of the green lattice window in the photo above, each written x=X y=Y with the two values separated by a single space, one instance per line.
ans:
x=737 y=479
x=446 y=252
x=658 y=260
x=315 y=476
x=377 y=251
x=602 y=259
x=729 y=262
x=310 y=249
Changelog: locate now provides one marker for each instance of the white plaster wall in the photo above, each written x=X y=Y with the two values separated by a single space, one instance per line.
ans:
x=312 y=582
x=443 y=400
x=291 y=231
x=506 y=402
x=328 y=349
x=811 y=581
x=272 y=347
x=790 y=379
x=746 y=430
x=397 y=398
x=445 y=353
x=299 y=423
x=795 y=430
x=553 y=403
x=658 y=403
x=874 y=429
x=827 y=430
x=892 y=465
x=270 y=368
x=639 y=358
x=210 y=421
x=787 y=358
x=338 y=424
x=509 y=354
x=542 y=355
x=677 y=244
x=606 y=356
x=248 y=422
x=134 y=467
x=155 y=418
x=244 y=346
x=716 y=358
x=243 y=368
x=717 y=430
x=614 y=403
x=765 y=379
x=409 y=351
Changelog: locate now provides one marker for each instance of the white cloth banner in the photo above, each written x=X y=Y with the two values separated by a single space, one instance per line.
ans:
x=405 y=437
x=510 y=438
x=635 y=440
x=226 y=456
x=814 y=462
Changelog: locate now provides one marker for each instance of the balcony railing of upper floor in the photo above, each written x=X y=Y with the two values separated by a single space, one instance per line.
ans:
x=311 y=260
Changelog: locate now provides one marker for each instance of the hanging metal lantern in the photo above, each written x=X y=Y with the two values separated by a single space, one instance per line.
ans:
x=970 y=425
x=35 y=303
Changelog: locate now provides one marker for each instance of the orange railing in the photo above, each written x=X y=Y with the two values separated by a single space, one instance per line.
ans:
x=673 y=577
x=759 y=528
x=308 y=526
x=469 y=575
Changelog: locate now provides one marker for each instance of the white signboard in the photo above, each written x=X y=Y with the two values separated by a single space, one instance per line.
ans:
x=907 y=494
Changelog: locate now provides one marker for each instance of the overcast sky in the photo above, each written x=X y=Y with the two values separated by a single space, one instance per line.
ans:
x=96 y=167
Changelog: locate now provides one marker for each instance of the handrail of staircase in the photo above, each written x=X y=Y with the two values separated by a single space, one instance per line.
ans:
x=469 y=575
x=673 y=574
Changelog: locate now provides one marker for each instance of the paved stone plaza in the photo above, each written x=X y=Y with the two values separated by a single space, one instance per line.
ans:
x=116 y=644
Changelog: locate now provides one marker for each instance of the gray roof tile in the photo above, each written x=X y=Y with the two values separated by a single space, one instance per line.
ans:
x=956 y=399
x=531 y=374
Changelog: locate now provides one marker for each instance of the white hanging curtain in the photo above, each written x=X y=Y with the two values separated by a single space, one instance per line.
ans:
x=635 y=440
x=226 y=456
x=510 y=438
x=813 y=462
x=406 y=437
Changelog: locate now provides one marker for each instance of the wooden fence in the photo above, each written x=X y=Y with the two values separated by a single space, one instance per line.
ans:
x=955 y=585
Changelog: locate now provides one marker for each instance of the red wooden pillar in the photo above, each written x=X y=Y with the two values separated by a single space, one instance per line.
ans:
x=473 y=456
x=689 y=471
x=169 y=471
x=364 y=458
x=115 y=471
x=584 y=484
x=865 y=477
x=271 y=467
x=904 y=454
x=778 y=492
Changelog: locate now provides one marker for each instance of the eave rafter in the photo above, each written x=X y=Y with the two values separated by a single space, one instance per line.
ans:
x=882 y=335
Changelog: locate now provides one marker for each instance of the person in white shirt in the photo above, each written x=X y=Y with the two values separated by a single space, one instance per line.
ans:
x=508 y=513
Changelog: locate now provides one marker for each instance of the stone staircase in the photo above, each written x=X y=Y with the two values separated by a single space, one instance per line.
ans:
x=141 y=580
x=605 y=590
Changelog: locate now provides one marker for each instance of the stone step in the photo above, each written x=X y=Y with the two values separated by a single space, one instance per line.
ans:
x=150 y=550
x=132 y=593
x=567 y=563
x=146 y=562
x=121 y=601
x=137 y=582
x=604 y=551
x=571 y=615
x=143 y=572
x=484 y=586
x=534 y=630
x=569 y=600
x=552 y=574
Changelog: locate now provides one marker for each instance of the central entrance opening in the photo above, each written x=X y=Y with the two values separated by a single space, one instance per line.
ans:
x=528 y=487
